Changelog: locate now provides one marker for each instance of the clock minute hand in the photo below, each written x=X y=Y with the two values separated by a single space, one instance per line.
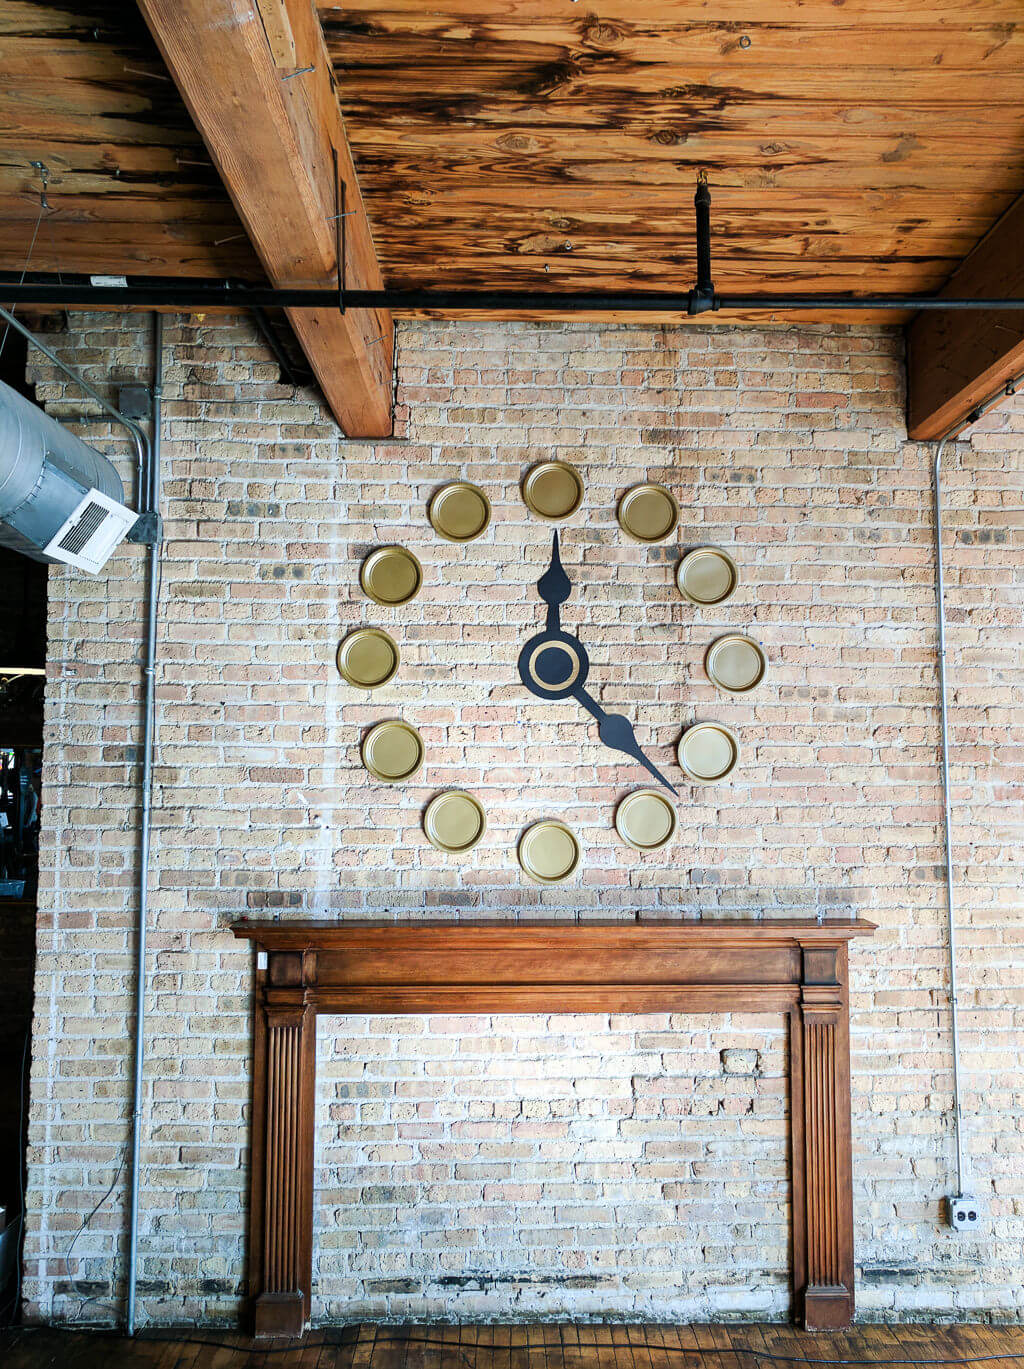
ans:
x=616 y=731
x=554 y=586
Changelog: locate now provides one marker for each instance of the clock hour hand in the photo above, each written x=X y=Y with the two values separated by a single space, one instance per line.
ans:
x=616 y=731
x=554 y=587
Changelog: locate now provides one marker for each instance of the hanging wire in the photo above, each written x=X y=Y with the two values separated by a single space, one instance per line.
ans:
x=83 y=1301
x=454 y=1350
x=43 y=206
x=56 y=262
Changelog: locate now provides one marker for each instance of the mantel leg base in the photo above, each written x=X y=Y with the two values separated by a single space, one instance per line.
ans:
x=279 y=1314
x=827 y=1307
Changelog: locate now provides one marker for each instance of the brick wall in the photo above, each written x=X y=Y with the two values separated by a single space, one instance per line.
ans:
x=559 y=1166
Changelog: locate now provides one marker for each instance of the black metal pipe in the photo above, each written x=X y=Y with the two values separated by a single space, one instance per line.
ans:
x=702 y=297
x=157 y=292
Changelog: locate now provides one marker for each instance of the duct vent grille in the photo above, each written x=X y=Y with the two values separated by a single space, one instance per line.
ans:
x=78 y=535
x=88 y=537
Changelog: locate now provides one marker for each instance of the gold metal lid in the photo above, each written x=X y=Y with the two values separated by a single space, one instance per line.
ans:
x=367 y=658
x=645 y=820
x=392 y=751
x=707 y=752
x=648 y=513
x=553 y=490
x=707 y=575
x=548 y=852
x=736 y=663
x=454 y=821
x=391 y=575
x=459 y=512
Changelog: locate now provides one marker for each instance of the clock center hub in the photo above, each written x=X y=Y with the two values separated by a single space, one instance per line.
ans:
x=552 y=664
x=555 y=665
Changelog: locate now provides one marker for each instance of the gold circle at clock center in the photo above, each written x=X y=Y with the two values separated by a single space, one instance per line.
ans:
x=573 y=665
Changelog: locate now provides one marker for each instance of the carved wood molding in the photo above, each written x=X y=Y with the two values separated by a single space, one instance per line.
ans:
x=795 y=967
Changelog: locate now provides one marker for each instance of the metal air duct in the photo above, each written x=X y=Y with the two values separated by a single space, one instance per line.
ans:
x=60 y=499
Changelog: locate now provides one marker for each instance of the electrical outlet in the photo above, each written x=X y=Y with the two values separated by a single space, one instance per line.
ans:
x=964 y=1213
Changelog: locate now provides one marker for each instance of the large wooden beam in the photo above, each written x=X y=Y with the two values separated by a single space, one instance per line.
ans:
x=272 y=128
x=957 y=360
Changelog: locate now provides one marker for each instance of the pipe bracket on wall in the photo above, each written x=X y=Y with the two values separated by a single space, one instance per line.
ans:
x=702 y=297
x=148 y=529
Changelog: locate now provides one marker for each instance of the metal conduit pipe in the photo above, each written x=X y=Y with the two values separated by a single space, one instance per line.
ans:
x=147 y=462
x=183 y=293
x=148 y=730
x=947 y=803
x=947 y=815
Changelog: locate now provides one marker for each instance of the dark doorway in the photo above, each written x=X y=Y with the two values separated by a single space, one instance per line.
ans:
x=22 y=660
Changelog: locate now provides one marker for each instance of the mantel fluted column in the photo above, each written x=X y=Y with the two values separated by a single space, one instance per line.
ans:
x=822 y=1144
x=281 y=1242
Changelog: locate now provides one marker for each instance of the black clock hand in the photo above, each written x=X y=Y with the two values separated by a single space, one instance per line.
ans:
x=553 y=665
x=554 y=587
x=616 y=731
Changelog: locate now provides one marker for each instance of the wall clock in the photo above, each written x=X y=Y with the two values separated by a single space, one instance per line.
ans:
x=554 y=665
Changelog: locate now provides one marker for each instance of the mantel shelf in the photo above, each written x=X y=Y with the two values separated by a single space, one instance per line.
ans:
x=644 y=931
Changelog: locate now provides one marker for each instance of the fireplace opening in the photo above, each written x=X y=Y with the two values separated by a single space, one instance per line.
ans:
x=579 y=1165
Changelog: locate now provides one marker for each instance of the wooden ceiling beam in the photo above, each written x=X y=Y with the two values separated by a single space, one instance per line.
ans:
x=272 y=128
x=955 y=361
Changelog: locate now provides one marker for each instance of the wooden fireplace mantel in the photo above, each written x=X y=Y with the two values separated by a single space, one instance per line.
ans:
x=796 y=967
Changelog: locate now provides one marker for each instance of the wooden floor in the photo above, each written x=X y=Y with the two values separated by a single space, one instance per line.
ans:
x=548 y=1346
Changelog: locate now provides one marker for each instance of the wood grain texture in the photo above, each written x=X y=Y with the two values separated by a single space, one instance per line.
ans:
x=797 y=967
x=509 y=142
x=131 y=187
x=957 y=361
x=551 y=1346
x=284 y=1123
x=536 y=144
x=273 y=141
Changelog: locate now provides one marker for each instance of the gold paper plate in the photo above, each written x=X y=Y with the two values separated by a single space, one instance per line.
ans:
x=391 y=575
x=735 y=663
x=707 y=752
x=454 y=821
x=553 y=490
x=648 y=513
x=548 y=852
x=392 y=751
x=707 y=575
x=367 y=658
x=645 y=820
x=459 y=512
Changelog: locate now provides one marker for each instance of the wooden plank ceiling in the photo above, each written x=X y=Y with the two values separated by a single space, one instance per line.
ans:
x=859 y=146
x=131 y=188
